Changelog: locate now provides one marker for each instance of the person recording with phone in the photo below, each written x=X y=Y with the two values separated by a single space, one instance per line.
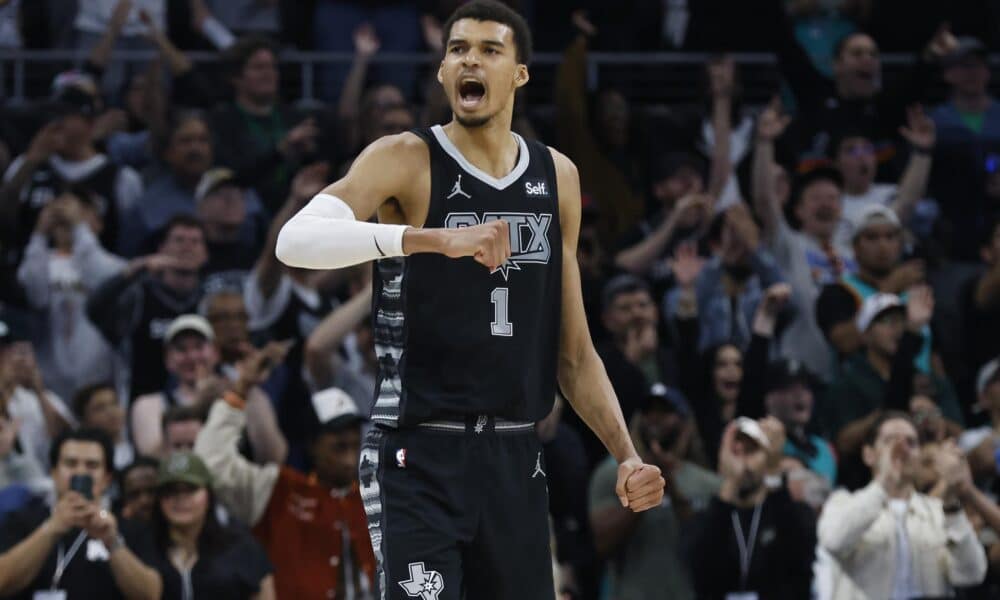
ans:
x=76 y=548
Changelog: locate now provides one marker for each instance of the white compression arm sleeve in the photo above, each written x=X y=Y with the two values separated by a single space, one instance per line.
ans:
x=325 y=235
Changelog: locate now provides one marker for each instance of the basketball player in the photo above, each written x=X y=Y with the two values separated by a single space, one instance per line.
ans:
x=477 y=313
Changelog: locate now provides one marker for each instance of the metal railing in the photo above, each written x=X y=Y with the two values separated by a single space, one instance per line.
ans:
x=638 y=72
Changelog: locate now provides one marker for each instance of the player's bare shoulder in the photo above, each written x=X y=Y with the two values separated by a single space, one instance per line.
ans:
x=393 y=169
x=399 y=158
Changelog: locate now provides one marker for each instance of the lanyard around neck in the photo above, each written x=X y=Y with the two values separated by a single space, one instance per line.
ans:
x=63 y=560
x=746 y=545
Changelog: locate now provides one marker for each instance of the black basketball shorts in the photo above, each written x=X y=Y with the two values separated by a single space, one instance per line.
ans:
x=458 y=511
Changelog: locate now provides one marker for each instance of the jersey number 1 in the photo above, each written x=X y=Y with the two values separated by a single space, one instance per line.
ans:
x=500 y=325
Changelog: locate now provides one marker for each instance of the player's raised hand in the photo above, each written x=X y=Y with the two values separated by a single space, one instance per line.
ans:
x=488 y=243
x=640 y=486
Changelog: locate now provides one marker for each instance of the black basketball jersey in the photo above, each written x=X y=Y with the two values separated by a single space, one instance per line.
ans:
x=454 y=339
x=47 y=183
x=159 y=307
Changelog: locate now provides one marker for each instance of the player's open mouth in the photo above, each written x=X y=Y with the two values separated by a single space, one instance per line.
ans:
x=471 y=92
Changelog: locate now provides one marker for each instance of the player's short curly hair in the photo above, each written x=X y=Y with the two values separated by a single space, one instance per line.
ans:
x=491 y=10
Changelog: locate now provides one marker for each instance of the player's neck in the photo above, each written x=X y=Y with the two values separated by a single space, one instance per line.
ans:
x=490 y=147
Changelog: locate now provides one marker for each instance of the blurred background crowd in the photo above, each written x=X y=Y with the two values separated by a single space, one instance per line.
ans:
x=790 y=254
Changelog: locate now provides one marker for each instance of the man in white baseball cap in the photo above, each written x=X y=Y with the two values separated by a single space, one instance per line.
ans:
x=880 y=377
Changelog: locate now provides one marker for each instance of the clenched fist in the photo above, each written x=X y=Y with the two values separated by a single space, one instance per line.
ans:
x=488 y=243
x=640 y=486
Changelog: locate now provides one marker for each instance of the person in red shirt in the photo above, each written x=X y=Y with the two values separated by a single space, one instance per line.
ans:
x=312 y=526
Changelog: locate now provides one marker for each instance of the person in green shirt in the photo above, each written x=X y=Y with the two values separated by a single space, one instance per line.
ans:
x=643 y=550
x=881 y=376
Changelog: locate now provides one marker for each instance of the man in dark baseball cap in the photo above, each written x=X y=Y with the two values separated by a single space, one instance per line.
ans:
x=789 y=398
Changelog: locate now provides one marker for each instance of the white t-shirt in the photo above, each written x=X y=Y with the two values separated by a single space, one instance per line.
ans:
x=25 y=406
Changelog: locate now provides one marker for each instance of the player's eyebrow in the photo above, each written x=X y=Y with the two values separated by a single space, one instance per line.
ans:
x=495 y=43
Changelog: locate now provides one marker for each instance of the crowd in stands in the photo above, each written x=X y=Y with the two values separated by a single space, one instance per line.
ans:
x=797 y=302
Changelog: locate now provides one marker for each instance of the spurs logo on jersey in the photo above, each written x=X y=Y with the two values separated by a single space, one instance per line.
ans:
x=529 y=239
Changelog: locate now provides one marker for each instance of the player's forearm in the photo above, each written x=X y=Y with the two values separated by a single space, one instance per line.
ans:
x=325 y=235
x=585 y=383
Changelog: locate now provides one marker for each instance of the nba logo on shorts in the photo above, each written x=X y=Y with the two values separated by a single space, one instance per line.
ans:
x=401 y=458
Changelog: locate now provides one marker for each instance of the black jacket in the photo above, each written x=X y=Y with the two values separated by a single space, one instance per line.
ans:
x=781 y=558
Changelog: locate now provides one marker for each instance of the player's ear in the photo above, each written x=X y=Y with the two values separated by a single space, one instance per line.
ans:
x=521 y=76
x=440 y=77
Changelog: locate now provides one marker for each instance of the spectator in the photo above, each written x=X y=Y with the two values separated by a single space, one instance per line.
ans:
x=732 y=283
x=97 y=407
x=137 y=483
x=395 y=22
x=61 y=154
x=191 y=358
x=256 y=136
x=981 y=443
x=775 y=558
x=40 y=543
x=635 y=355
x=358 y=108
x=789 y=399
x=854 y=156
x=878 y=248
x=881 y=377
x=225 y=310
x=181 y=426
x=722 y=120
x=979 y=301
x=809 y=257
x=185 y=153
x=269 y=497
x=854 y=100
x=968 y=126
x=62 y=264
x=195 y=554
x=597 y=139
x=684 y=215
x=889 y=541
x=133 y=309
x=234 y=231
x=729 y=380
x=644 y=550
x=40 y=414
